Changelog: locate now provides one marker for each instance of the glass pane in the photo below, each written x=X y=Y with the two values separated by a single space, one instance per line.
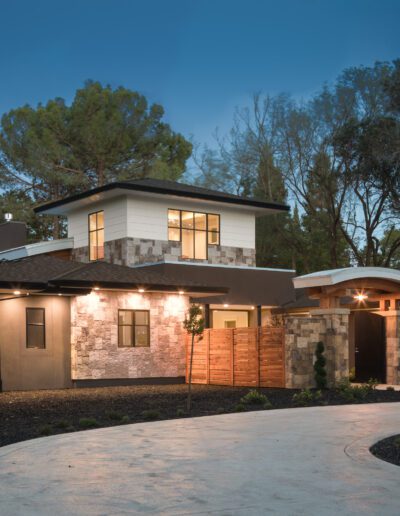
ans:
x=213 y=238
x=35 y=336
x=93 y=221
x=35 y=316
x=93 y=246
x=100 y=219
x=187 y=219
x=141 y=336
x=174 y=234
x=100 y=244
x=125 y=336
x=200 y=245
x=200 y=220
x=174 y=218
x=141 y=317
x=213 y=222
x=125 y=317
x=187 y=243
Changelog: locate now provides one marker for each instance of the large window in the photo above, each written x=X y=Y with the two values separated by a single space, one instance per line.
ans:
x=195 y=230
x=133 y=328
x=96 y=236
x=35 y=328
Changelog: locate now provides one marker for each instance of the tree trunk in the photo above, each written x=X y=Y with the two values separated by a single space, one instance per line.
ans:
x=189 y=398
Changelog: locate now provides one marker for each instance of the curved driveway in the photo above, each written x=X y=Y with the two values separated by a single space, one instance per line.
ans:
x=312 y=461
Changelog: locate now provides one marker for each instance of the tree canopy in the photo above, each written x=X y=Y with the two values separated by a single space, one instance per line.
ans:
x=104 y=135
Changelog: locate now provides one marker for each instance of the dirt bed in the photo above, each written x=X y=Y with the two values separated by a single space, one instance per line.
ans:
x=26 y=415
x=388 y=449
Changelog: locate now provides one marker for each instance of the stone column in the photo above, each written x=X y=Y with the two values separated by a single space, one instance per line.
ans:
x=336 y=342
x=392 y=319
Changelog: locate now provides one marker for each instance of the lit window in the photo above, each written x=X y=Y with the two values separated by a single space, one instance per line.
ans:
x=133 y=328
x=195 y=230
x=35 y=328
x=96 y=236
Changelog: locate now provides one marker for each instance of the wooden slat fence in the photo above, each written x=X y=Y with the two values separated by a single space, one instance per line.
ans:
x=251 y=357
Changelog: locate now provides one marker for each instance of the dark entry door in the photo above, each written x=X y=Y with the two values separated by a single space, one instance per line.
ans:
x=370 y=347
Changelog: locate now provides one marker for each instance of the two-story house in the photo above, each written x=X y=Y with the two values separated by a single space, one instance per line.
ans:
x=106 y=304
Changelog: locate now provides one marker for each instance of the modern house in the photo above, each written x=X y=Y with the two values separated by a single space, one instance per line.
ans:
x=107 y=303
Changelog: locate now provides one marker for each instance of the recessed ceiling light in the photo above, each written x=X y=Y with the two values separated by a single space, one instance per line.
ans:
x=96 y=288
x=17 y=292
x=181 y=292
x=141 y=290
x=225 y=305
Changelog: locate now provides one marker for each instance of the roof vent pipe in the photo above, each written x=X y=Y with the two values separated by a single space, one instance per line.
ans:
x=8 y=217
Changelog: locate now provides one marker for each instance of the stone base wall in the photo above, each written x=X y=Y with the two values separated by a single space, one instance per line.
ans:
x=135 y=251
x=94 y=337
x=393 y=348
x=302 y=334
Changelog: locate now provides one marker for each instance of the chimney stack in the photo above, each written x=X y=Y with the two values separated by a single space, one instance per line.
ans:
x=12 y=233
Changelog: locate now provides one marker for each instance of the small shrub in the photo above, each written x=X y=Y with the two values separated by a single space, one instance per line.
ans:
x=180 y=412
x=254 y=397
x=240 y=407
x=114 y=416
x=88 y=422
x=372 y=383
x=45 y=430
x=62 y=424
x=353 y=393
x=125 y=420
x=267 y=405
x=319 y=366
x=306 y=397
x=150 y=415
x=390 y=388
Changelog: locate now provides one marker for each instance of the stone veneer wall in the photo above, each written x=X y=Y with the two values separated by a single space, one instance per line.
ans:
x=94 y=337
x=302 y=335
x=134 y=251
x=392 y=347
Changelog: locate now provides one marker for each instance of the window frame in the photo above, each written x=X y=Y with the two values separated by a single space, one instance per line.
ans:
x=207 y=231
x=96 y=231
x=133 y=326
x=27 y=324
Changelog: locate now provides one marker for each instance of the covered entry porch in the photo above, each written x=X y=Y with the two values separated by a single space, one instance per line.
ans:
x=367 y=301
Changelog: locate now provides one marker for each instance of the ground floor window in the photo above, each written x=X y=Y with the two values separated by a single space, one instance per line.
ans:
x=133 y=328
x=35 y=328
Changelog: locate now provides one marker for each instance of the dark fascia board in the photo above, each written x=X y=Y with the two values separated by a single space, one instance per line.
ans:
x=163 y=191
x=27 y=285
x=67 y=284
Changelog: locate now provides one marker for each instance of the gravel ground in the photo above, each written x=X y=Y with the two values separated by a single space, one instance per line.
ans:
x=26 y=415
x=388 y=449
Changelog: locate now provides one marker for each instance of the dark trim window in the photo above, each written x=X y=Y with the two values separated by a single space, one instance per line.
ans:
x=96 y=236
x=35 y=328
x=133 y=328
x=195 y=230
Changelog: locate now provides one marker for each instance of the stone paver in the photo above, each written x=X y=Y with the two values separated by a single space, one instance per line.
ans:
x=312 y=461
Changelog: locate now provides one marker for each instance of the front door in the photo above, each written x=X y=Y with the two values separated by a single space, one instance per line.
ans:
x=370 y=347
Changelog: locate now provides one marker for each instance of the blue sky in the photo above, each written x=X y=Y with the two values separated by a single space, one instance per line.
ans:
x=198 y=58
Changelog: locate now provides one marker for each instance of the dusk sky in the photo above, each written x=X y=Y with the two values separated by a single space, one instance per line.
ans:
x=199 y=59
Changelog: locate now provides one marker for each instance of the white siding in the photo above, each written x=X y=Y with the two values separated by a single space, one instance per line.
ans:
x=114 y=221
x=146 y=217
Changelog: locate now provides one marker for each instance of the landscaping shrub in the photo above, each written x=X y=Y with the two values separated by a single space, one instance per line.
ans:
x=114 y=416
x=180 y=412
x=125 y=420
x=150 y=415
x=306 y=397
x=390 y=388
x=240 y=407
x=353 y=393
x=88 y=422
x=62 y=424
x=45 y=430
x=254 y=397
x=319 y=366
x=267 y=405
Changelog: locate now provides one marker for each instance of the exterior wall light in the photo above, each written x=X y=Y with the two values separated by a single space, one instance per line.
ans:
x=360 y=297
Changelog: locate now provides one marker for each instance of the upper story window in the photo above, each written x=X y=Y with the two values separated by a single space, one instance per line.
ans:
x=35 y=328
x=96 y=236
x=195 y=230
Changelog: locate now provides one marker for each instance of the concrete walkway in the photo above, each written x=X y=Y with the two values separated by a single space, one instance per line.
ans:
x=312 y=461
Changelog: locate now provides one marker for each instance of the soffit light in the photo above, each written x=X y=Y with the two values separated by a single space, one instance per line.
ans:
x=17 y=292
x=360 y=297
x=181 y=292
x=141 y=290
x=96 y=288
x=225 y=305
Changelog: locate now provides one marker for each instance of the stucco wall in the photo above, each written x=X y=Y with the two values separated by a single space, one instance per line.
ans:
x=22 y=368
x=301 y=337
x=94 y=336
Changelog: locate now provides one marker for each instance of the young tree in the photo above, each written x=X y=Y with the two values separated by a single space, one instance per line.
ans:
x=319 y=366
x=194 y=325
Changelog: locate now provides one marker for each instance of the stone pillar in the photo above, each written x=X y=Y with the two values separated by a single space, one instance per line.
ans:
x=392 y=319
x=329 y=325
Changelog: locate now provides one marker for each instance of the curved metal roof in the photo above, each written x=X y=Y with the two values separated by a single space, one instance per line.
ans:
x=335 y=276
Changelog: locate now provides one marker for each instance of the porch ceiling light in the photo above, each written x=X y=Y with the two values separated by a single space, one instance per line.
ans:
x=181 y=292
x=141 y=290
x=226 y=305
x=360 y=297
x=17 y=292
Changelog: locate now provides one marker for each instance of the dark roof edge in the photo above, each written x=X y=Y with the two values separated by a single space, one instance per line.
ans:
x=164 y=191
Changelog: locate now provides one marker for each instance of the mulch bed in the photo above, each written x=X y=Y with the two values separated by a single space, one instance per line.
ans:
x=388 y=449
x=26 y=415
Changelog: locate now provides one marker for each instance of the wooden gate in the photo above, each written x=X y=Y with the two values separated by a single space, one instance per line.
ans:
x=251 y=357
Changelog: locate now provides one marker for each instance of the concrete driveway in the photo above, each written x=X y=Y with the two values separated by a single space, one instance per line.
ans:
x=312 y=461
